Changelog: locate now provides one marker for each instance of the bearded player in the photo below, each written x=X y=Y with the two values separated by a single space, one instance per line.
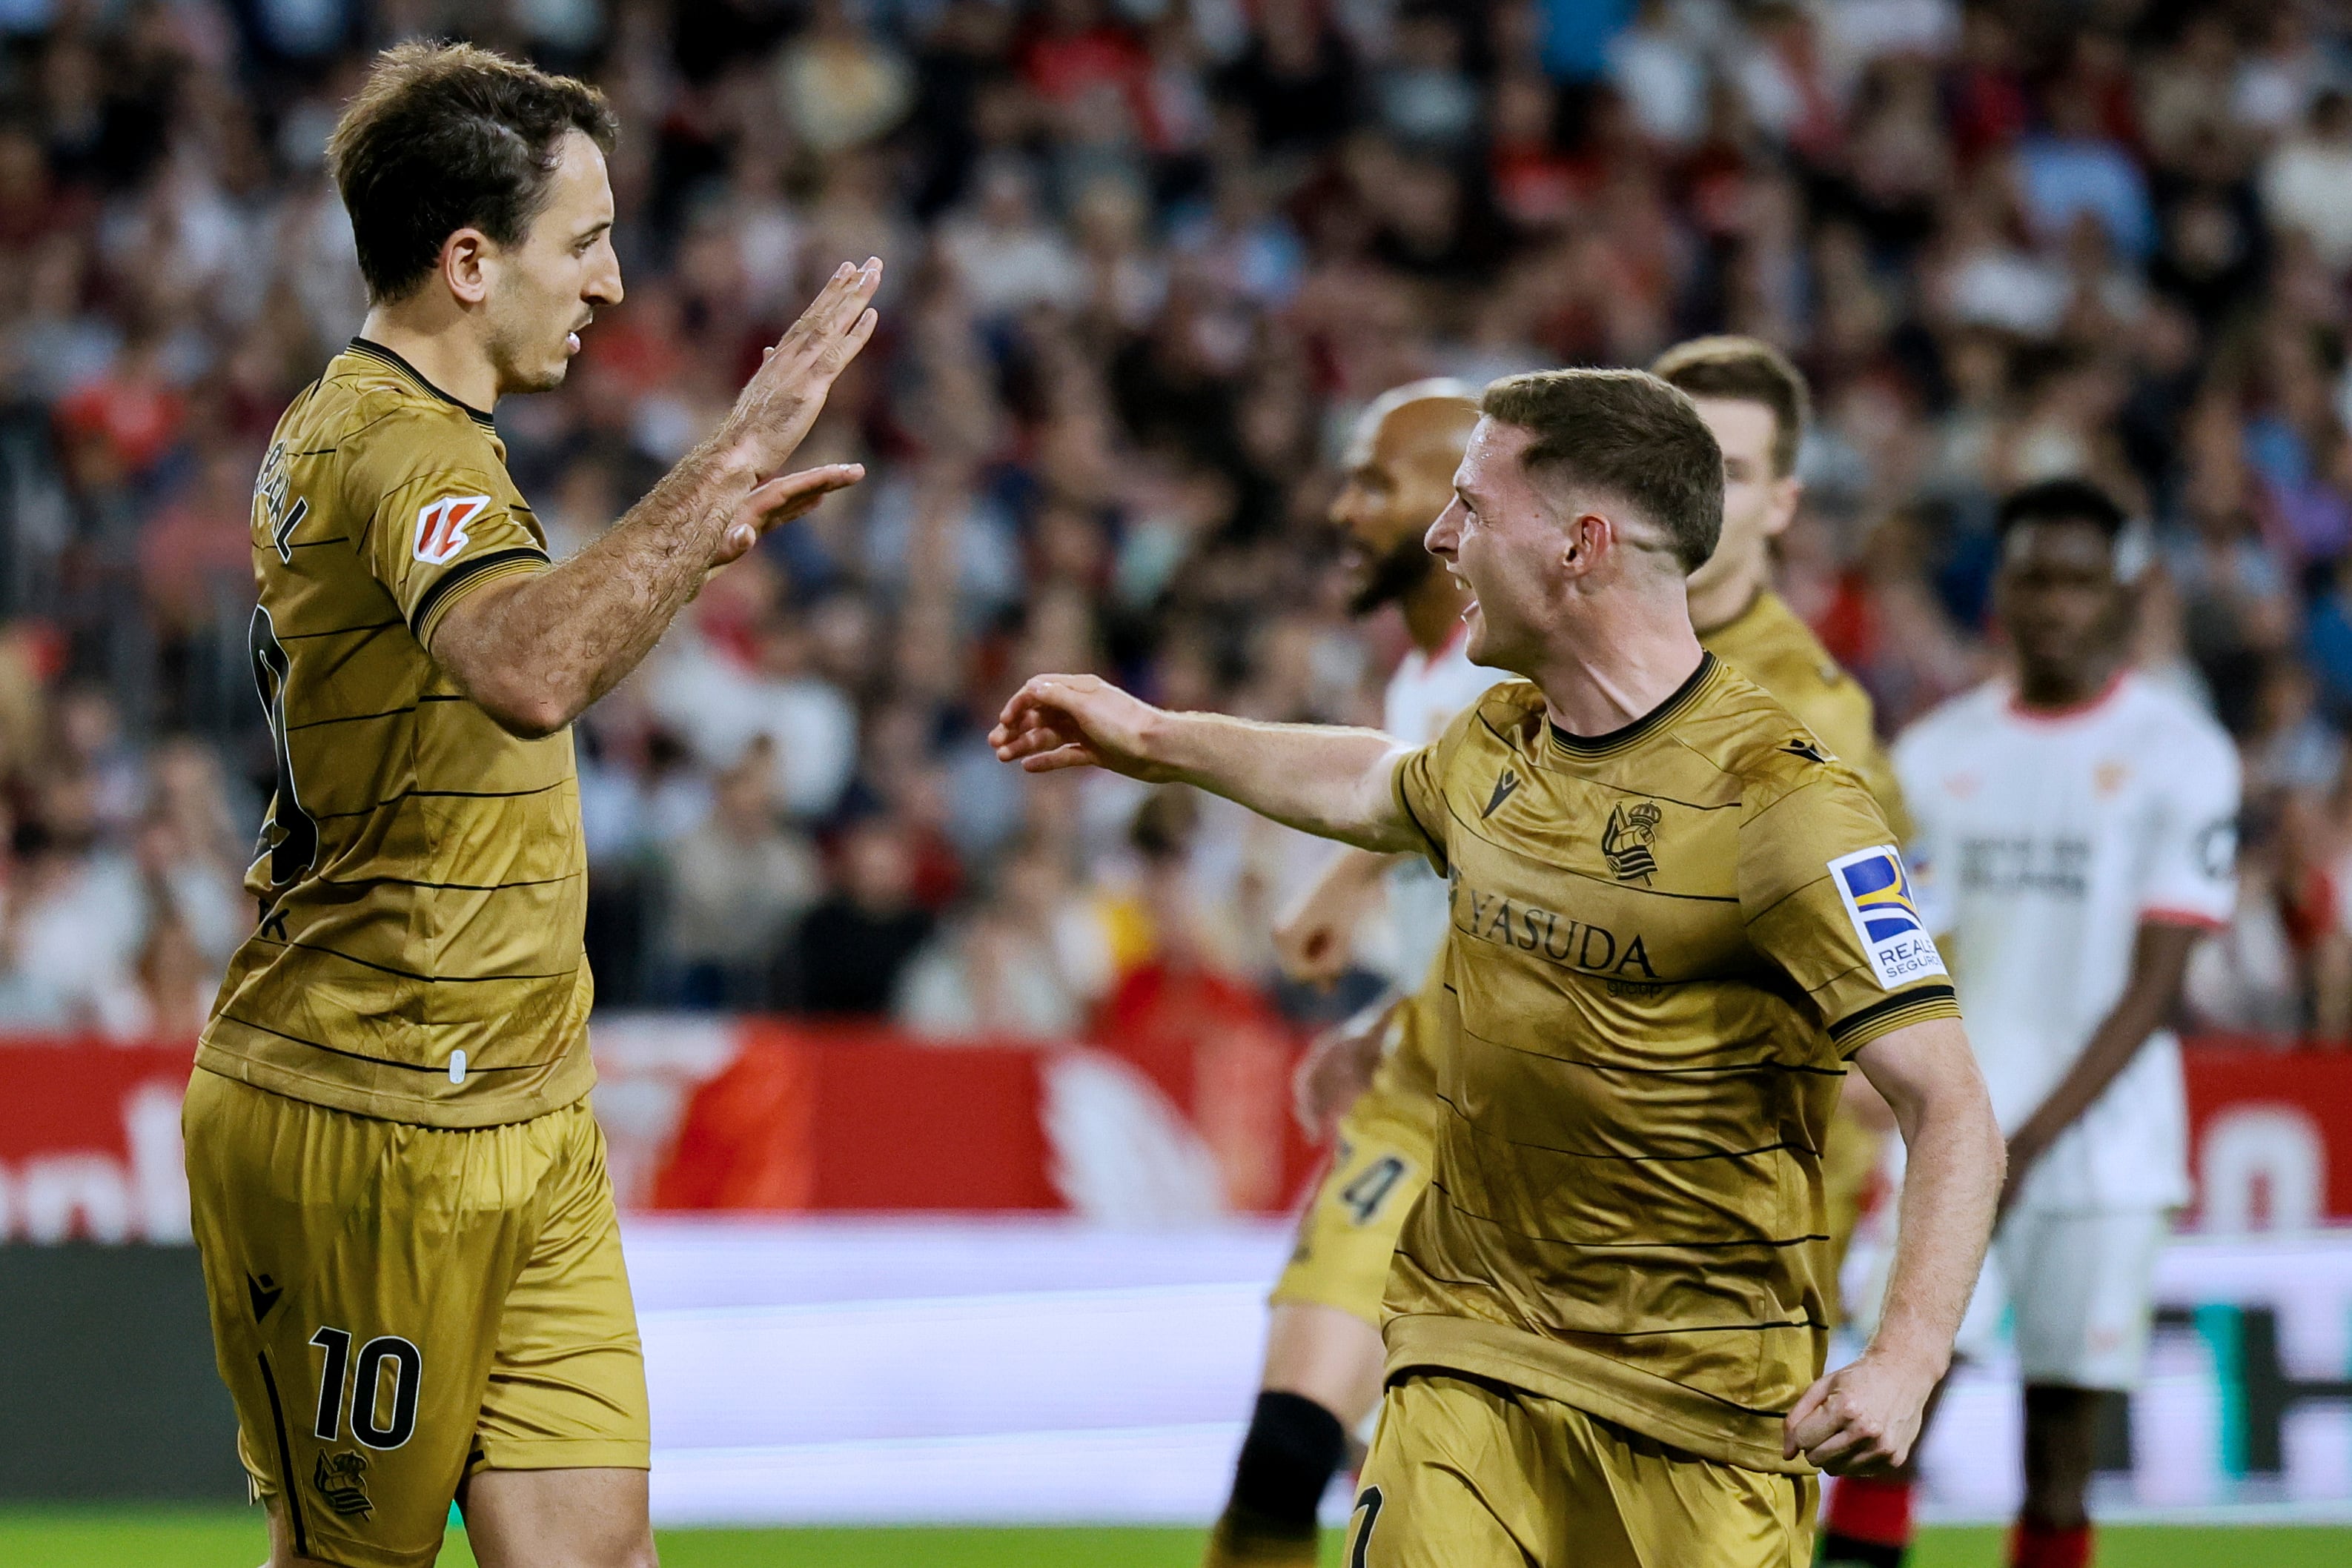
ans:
x=409 y=1242
x=1675 y=921
x=1322 y=1371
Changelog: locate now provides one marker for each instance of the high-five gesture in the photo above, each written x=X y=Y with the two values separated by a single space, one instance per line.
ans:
x=1320 y=777
x=774 y=412
x=1078 y=721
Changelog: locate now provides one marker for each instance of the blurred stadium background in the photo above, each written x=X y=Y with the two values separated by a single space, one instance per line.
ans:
x=952 y=1110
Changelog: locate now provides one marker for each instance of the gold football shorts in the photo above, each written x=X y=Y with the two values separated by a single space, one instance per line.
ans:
x=394 y=1307
x=1349 y=1230
x=1469 y=1474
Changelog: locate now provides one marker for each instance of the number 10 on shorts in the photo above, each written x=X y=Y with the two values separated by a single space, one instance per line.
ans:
x=366 y=1387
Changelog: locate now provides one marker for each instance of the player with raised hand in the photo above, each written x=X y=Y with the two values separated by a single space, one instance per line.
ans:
x=1676 y=920
x=2078 y=827
x=408 y=1236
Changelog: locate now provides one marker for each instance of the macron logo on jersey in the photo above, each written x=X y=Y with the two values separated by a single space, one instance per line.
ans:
x=1877 y=895
x=441 y=527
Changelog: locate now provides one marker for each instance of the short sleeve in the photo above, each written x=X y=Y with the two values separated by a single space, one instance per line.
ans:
x=1827 y=901
x=445 y=521
x=1420 y=785
x=2191 y=865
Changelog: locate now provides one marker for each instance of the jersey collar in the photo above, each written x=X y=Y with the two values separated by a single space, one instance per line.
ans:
x=378 y=351
x=2084 y=709
x=1587 y=747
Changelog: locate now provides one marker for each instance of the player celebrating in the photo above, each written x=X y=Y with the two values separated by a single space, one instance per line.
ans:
x=1754 y=403
x=1322 y=1375
x=2078 y=827
x=409 y=1241
x=1674 y=920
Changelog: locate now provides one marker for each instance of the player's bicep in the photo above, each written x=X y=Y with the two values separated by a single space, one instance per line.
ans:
x=1827 y=899
x=438 y=536
x=2192 y=851
x=1921 y=1065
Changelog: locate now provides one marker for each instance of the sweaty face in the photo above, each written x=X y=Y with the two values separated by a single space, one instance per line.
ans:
x=545 y=288
x=1498 y=537
x=2057 y=598
x=1399 y=469
x=1757 y=503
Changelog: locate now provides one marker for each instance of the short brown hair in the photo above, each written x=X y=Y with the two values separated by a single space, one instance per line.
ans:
x=447 y=136
x=1629 y=435
x=1751 y=371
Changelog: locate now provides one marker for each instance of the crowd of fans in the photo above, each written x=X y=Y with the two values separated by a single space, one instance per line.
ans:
x=1148 y=258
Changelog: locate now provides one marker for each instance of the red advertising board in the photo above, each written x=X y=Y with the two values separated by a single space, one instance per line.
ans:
x=1172 y=1124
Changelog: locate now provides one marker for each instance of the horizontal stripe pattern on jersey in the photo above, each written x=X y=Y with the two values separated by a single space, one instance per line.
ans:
x=1655 y=975
x=421 y=878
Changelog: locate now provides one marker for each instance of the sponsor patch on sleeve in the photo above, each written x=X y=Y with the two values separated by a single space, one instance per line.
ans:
x=1878 y=900
x=441 y=527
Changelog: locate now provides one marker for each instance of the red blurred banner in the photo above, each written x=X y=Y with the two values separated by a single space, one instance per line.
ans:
x=1186 y=1119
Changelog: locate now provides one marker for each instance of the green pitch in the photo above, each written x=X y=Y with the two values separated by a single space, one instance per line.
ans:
x=91 y=1537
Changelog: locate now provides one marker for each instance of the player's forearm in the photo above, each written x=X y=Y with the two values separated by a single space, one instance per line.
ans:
x=1324 y=779
x=1954 y=1161
x=535 y=652
x=2160 y=960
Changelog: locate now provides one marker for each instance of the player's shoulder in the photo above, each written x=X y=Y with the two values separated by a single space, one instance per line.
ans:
x=2164 y=720
x=1761 y=745
x=1958 y=720
x=377 y=413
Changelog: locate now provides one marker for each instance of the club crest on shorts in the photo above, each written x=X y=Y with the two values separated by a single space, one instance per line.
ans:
x=441 y=526
x=1878 y=900
x=342 y=1479
x=1628 y=843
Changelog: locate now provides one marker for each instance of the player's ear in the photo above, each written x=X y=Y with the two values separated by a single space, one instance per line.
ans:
x=1785 y=495
x=463 y=259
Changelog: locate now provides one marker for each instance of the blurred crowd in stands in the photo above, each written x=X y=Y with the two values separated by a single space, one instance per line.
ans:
x=1148 y=258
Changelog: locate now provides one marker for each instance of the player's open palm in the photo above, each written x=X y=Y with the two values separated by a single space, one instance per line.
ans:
x=778 y=502
x=1077 y=721
x=1861 y=1419
x=775 y=411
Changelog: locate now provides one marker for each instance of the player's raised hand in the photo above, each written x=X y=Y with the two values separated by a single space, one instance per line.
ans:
x=1077 y=721
x=1861 y=1419
x=774 y=412
x=778 y=502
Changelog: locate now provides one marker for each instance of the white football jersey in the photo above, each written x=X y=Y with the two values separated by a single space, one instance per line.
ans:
x=1423 y=697
x=2044 y=841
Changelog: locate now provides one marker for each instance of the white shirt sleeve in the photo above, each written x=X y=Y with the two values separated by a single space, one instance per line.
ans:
x=2189 y=876
x=1931 y=886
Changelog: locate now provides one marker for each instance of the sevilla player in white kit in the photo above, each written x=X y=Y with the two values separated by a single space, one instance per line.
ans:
x=2076 y=834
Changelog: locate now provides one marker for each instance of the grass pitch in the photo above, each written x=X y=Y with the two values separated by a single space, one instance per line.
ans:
x=93 y=1537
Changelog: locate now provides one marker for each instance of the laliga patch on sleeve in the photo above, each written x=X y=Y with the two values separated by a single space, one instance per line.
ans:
x=1879 y=902
x=441 y=527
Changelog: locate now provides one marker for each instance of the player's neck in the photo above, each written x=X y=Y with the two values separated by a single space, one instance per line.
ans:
x=1433 y=611
x=2056 y=689
x=1619 y=663
x=1717 y=604
x=438 y=347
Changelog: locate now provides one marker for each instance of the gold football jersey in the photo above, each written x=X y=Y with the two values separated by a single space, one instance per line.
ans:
x=1772 y=647
x=1666 y=941
x=421 y=875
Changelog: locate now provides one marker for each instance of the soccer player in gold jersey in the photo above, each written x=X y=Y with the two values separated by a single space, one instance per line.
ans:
x=409 y=1243
x=1375 y=1074
x=1676 y=920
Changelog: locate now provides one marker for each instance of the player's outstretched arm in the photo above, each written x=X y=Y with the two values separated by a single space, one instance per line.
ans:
x=1322 y=779
x=1865 y=1416
x=533 y=651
